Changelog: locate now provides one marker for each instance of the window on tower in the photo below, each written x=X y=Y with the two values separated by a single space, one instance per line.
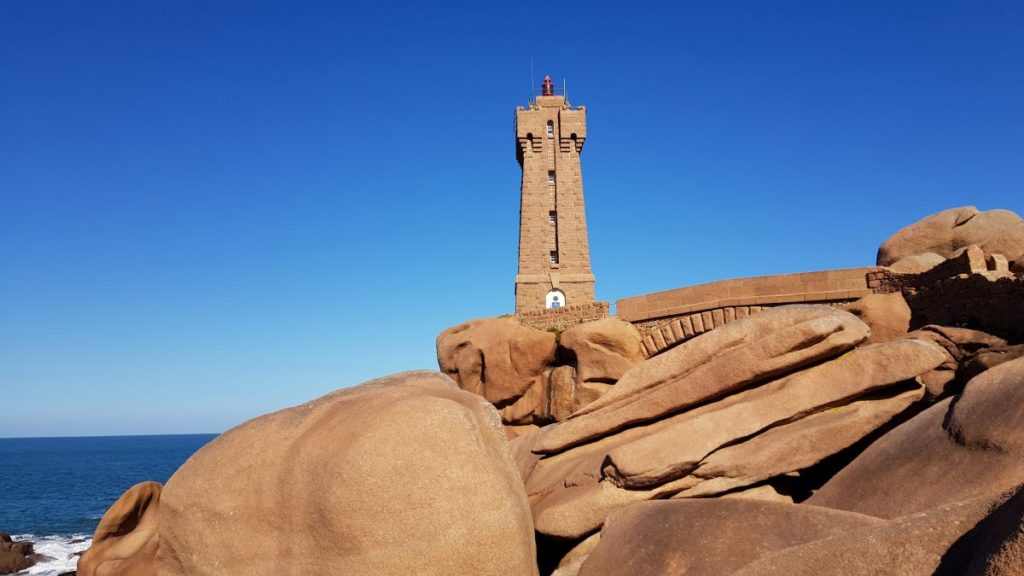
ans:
x=552 y=217
x=551 y=176
x=551 y=128
x=554 y=256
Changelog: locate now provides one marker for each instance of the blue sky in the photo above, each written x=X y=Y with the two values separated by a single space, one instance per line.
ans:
x=211 y=210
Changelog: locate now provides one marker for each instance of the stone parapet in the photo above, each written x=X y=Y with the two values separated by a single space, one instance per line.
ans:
x=808 y=287
x=988 y=301
x=563 y=318
x=970 y=289
x=970 y=261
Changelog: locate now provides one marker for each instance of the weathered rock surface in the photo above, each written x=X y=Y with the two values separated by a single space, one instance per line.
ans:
x=917 y=263
x=660 y=456
x=604 y=349
x=998 y=547
x=888 y=316
x=708 y=536
x=402 y=475
x=715 y=364
x=528 y=375
x=561 y=400
x=987 y=358
x=15 y=556
x=765 y=492
x=534 y=406
x=798 y=445
x=126 y=540
x=995 y=231
x=932 y=542
x=742 y=437
x=960 y=344
x=951 y=452
x=497 y=358
x=571 y=562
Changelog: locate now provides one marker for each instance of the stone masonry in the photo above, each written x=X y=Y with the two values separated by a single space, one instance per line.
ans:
x=560 y=319
x=808 y=287
x=970 y=289
x=554 y=253
x=671 y=317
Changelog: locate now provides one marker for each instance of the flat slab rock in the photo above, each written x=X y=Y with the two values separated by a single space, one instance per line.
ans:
x=738 y=441
x=661 y=456
x=958 y=449
x=796 y=446
x=718 y=363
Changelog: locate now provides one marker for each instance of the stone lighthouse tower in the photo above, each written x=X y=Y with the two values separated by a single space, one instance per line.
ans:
x=554 y=254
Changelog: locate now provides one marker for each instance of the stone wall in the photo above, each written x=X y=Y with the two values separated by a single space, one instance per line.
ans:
x=811 y=287
x=989 y=301
x=563 y=318
x=530 y=296
x=971 y=289
x=971 y=261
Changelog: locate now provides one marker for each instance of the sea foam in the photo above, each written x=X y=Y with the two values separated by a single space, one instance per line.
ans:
x=60 y=552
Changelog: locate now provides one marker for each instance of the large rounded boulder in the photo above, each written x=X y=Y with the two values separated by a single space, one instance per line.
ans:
x=995 y=231
x=126 y=540
x=497 y=358
x=605 y=349
x=405 y=474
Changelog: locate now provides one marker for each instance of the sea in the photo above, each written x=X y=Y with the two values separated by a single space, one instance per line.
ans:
x=53 y=491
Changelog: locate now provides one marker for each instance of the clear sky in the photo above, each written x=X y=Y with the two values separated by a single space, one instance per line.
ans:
x=211 y=210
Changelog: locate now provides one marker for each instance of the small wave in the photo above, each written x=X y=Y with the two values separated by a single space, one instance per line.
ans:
x=60 y=553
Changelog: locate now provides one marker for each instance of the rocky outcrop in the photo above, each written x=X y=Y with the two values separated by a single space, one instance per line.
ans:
x=745 y=401
x=987 y=358
x=888 y=315
x=917 y=264
x=932 y=542
x=660 y=457
x=797 y=446
x=15 y=556
x=531 y=376
x=998 y=546
x=718 y=363
x=951 y=452
x=995 y=231
x=708 y=537
x=126 y=540
x=402 y=475
x=804 y=439
x=497 y=358
x=981 y=536
x=960 y=345
x=604 y=349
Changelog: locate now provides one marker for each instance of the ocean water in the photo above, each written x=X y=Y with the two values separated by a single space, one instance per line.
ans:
x=54 y=491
